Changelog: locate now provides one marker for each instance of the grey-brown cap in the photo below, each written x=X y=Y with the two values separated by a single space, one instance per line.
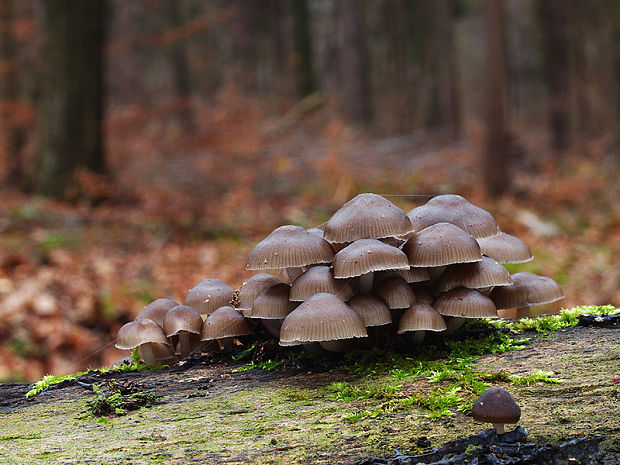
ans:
x=367 y=255
x=323 y=317
x=273 y=303
x=374 y=311
x=208 y=295
x=224 y=322
x=395 y=292
x=411 y=275
x=367 y=216
x=505 y=248
x=421 y=317
x=182 y=318
x=156 y=310
x=496 y=406
x=465 y=303
x=318 y=279
x=138 y=332
x=476 y=275
x=287 y=247
x=456 y=210
x=252 y=288
x=527 y=289
x=441 y=244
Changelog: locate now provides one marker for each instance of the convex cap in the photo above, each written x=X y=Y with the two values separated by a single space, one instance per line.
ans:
x=208 y=295
x=476 y=275
x=156 y=311
x=367 y=216
x=456 y=210
x=224 y=322
x=421 y=317
x=527 y=290
x=505 y=248
x=368 y=255
x=323 y=317
x=288 y=247
x=318 y=279
x=496 y=406
x=441 y=244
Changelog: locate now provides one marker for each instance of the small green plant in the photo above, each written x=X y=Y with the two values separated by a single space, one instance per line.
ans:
x=118 y=399
x=267 y=365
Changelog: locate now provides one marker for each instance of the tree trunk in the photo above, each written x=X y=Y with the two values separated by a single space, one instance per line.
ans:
x=495 y=170
x=10 y=96
x=354 y=67
x=181 y=72
x=71 y=102
x=439 y=66
x=302 y=41
x=556 y=47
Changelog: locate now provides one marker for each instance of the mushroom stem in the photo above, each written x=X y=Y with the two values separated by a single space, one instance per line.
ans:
x=453 y=324
x=522 y=312
x=499 y=427
x=294 y=273
x=146 y=353
x=364 y=285
x=415 y=337
x=185 y=343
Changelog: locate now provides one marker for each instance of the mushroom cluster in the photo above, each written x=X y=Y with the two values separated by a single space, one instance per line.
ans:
x=372 y=274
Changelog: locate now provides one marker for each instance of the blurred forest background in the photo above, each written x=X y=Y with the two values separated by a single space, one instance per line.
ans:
x=146 y=145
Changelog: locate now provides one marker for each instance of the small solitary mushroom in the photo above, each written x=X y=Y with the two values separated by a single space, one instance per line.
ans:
x=496 y=406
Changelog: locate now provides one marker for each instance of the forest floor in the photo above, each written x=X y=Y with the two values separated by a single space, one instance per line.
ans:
x=186 y=207
x=318 y=412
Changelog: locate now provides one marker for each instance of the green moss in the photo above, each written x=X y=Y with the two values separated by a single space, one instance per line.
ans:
x=537 y=377
x=566 y=318
x=52 y=380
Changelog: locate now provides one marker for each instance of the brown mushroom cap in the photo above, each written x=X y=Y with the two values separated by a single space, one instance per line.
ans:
x=367 y=216
x=465 y=303
x=496 y=406
x=395 y=292
x=156 y=311
x=208 y=295
x=441 y=244
x=505 y=248
x=412 y=275
x=287 y=247
x=456 y=210
x=421 y=317
x=138 y=332
x=323 y=317
x=318 y=279
x=254 y=287
x=373 y=311
x=273 y=303
x=527 y=290
x=475 y=275
x=224 y=322
x=367 y=255
x=182 y=318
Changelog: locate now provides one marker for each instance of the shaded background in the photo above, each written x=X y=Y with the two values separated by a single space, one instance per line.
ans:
x=147 y=145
